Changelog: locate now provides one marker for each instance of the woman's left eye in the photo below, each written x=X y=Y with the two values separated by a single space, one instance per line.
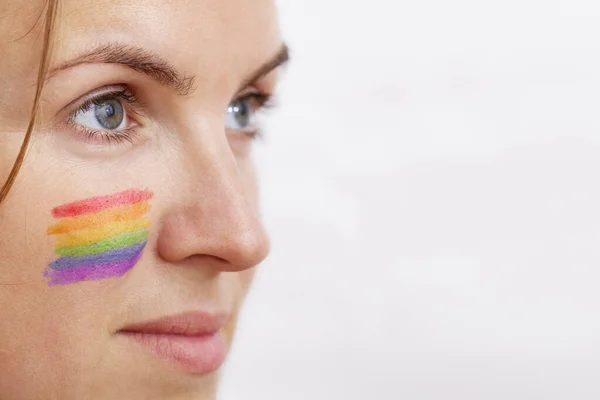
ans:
x=241 y=113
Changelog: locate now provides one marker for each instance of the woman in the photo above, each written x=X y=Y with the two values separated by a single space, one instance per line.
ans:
x=129 y=227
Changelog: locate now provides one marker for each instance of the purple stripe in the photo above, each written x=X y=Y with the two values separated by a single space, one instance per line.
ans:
x=108 y=257
x=91 y=272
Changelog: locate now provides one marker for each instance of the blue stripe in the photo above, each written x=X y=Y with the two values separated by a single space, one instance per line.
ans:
x=108 y=257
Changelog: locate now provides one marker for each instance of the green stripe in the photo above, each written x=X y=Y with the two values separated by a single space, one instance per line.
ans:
x=115 y=242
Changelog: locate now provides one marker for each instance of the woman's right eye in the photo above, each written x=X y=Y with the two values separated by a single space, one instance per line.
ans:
x=106 y=114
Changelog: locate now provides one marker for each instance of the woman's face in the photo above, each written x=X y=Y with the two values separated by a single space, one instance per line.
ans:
x=129 y=239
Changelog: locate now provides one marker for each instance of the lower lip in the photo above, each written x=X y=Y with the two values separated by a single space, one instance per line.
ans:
x=201 y=354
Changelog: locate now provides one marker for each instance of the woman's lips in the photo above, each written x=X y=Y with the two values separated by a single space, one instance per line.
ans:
x=191 y=340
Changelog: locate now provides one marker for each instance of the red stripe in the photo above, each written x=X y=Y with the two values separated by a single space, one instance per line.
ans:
x=96 y=204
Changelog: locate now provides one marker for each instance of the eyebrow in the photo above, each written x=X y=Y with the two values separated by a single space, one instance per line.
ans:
x=281 y=57
x=136 y=58
x=159 y=69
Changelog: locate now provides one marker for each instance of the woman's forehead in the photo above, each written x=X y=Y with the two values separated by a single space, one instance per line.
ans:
x=219 y=42
x=181 y=21
x=193 y=34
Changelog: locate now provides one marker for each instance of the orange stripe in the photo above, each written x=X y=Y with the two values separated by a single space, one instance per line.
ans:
x=101 y=233
x=118 y=214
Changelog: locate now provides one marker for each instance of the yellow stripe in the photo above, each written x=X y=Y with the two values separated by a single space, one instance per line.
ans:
x=124 y=213
x=106 y=231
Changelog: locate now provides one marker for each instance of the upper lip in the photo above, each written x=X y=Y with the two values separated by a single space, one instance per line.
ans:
x=193 y=323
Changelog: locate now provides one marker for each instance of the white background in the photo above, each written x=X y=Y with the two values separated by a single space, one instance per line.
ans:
x=431 y=186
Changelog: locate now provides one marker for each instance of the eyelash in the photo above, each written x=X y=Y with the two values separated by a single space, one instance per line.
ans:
x=263 y=101
x=95 y=136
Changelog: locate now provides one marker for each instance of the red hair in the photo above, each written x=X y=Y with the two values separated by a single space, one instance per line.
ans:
x=49 y=22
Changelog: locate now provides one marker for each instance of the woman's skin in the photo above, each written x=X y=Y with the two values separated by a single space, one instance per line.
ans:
x=66 y=342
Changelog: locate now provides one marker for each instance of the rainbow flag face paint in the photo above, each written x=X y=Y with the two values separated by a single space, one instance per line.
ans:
x=99 y=238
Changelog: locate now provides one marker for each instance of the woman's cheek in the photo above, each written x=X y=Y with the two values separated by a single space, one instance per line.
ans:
x=98 y=238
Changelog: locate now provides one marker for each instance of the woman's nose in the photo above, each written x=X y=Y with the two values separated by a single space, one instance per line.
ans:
x=217 y=217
